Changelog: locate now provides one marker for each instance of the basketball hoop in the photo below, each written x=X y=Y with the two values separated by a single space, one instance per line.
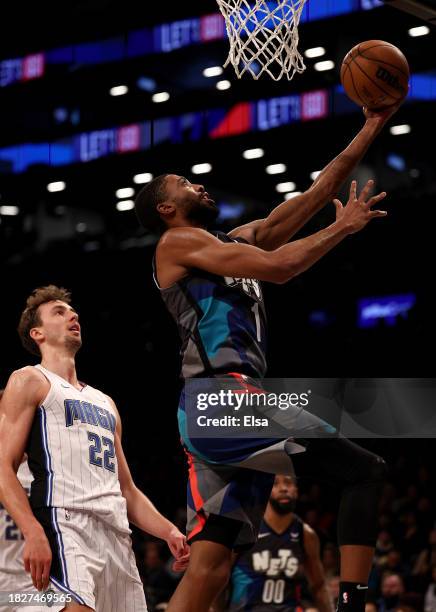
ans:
x=263 y=36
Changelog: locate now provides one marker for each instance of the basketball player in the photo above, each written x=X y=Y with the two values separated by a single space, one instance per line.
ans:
x=210 y=284
x=76 y=528
x=269 y=576
x=13 y=576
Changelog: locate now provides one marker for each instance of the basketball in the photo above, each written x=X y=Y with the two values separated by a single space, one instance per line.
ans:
x=375 y=74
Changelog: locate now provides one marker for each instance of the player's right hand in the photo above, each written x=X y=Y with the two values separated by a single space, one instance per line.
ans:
x=357 y=213
x=37 y=558
x=383 y=114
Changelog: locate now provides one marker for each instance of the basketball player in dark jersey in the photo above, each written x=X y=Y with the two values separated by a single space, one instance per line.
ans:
x=210 y=283
x=269 y=577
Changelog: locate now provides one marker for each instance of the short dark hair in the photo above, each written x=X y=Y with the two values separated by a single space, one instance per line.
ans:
x=146 y=202
x=30 y=316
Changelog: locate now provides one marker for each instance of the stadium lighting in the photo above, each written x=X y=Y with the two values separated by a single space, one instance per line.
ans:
x=397 y=130
x=419 y=31
x=161 y=96
x=9 y=211
x=222 y=85
x=314 y=175
x=292 y=194
x=145 y=177
x=314 y=52
x=56 y=186
x=275 y=169
x=119 y=90
x=125 y=205
x=201 y=168
x=253 y=153
x=212 y=71
x=125 y=192
x=325 y=65
x=284 y=187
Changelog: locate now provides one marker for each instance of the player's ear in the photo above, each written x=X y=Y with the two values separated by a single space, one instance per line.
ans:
x=166 y=209
x=36 y=334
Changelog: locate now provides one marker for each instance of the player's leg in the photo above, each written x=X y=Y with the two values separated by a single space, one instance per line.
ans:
x=359 y=475
x=207 y=575
x=225 y=508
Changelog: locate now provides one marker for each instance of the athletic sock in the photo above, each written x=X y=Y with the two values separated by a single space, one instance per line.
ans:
x=352 y=596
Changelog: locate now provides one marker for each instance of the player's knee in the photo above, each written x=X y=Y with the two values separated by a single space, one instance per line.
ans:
x=216 y=571
x=368 y=469
x=378 y=470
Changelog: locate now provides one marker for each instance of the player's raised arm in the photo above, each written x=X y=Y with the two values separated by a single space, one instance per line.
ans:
x=24 y=392
x=290 y=216
x=314 y=571
x=182 y=249
x=140 y=511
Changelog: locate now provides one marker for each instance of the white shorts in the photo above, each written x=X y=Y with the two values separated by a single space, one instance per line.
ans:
x=19 y=583
x=91 y=561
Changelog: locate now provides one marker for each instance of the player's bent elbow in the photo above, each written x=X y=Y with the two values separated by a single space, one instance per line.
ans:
x=282 y=273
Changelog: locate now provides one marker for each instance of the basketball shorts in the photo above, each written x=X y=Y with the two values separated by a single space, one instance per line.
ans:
x=237 y=494
x=271 y=455
x=231 y=478
x=13 y=582
x=91 y=561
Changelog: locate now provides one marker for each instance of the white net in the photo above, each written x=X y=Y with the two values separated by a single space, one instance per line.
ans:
x=263 y=36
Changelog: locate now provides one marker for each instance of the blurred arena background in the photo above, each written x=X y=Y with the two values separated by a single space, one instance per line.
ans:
x=98 y=97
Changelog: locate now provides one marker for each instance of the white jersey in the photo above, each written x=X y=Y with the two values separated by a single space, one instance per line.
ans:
x=11 y=538
x=72 y=454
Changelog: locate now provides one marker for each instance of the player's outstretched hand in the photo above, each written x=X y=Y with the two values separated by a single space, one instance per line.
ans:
x=177 y=544
x=357 y=212
x=37 y=558
x=384 y=114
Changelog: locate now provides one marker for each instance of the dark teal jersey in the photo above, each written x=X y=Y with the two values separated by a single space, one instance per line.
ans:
x=269 y=576
x=221 y=322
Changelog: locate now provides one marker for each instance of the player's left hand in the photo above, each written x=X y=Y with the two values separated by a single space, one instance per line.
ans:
x=177 y=543
x=358 y=211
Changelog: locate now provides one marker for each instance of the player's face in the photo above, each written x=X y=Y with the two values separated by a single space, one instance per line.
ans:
x=284 y=494
x=192 y=199
x=59 y=326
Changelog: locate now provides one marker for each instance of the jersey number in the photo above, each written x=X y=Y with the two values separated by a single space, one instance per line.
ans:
x=255 y=309
x=11 y=531
x=95 y=451
x=273 y=591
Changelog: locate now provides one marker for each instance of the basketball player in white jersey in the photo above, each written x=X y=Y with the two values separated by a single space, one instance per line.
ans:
x=13 y=576
x=76 y=527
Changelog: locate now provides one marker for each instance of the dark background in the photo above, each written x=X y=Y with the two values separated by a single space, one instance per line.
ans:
x=130 y=343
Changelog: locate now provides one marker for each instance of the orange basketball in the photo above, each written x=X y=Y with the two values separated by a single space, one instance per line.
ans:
x=375 y=74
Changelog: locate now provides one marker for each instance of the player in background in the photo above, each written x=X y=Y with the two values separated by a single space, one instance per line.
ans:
x=76 y=527
x=13 y=576
x=269 y=576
